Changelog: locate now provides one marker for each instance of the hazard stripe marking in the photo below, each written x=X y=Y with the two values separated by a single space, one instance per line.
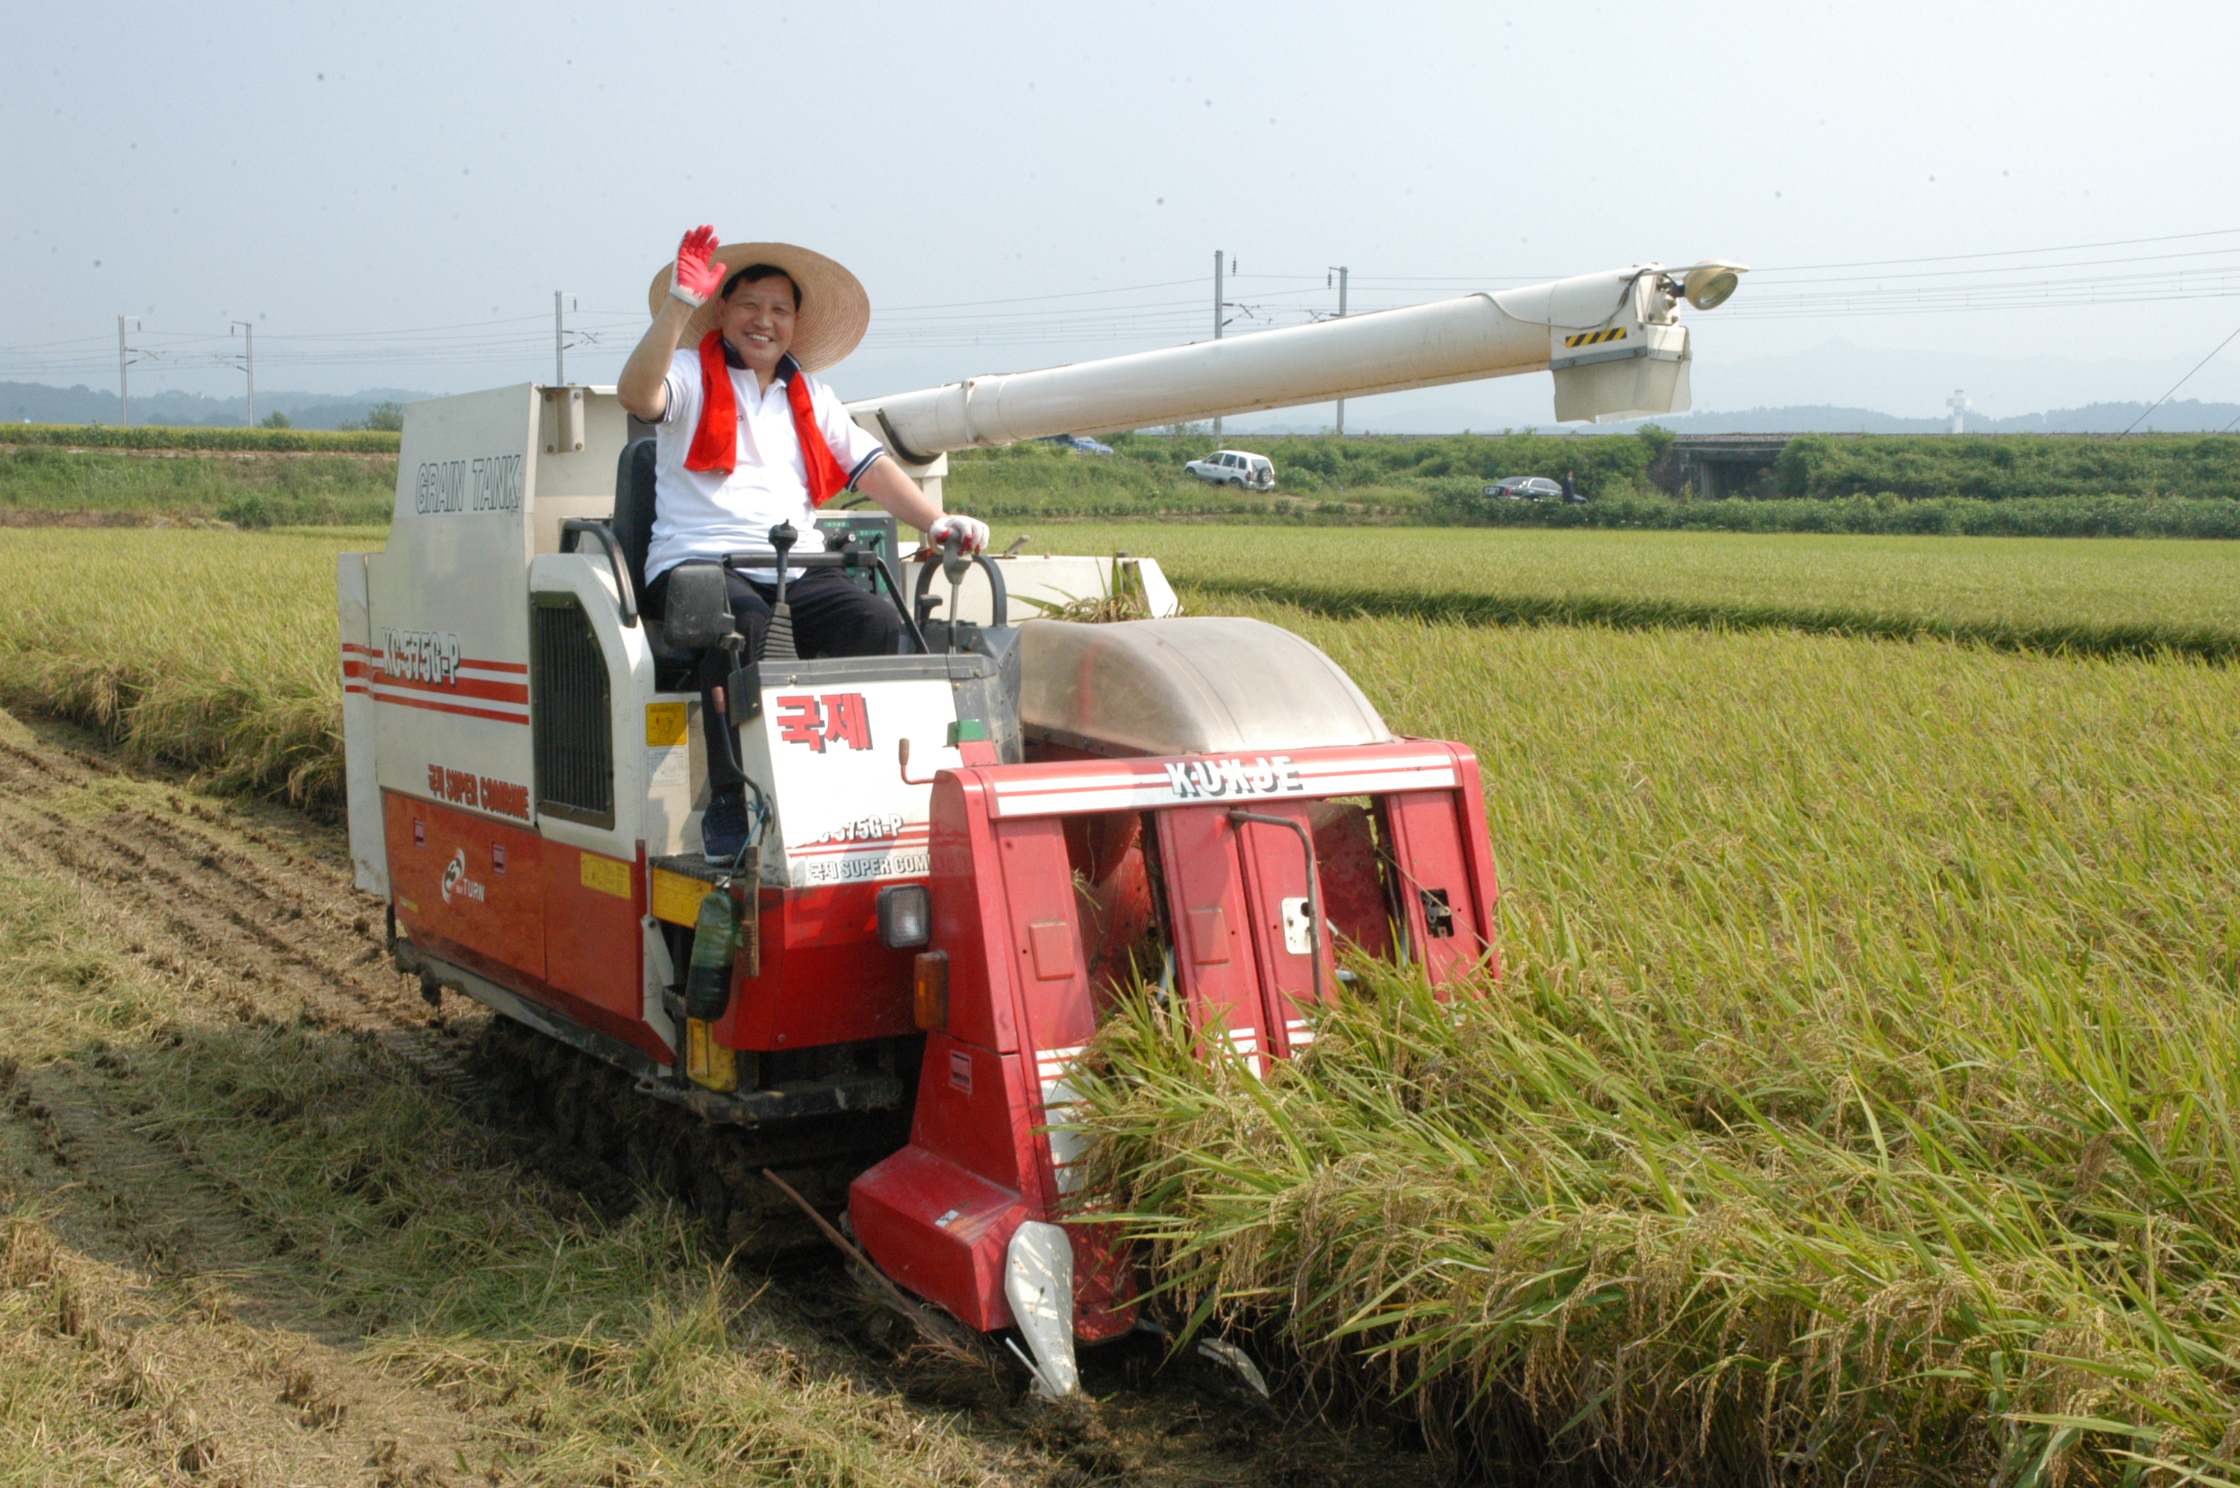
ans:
x=1596 y=338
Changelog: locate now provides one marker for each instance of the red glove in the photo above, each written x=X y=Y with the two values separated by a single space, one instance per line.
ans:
x=697 y=274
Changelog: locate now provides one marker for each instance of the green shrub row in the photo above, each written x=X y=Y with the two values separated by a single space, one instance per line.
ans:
x=1886 y=514
x=2005 y=467
x=1914 y=467
x=101 y=436
x=303 y=490
x=1319 y=464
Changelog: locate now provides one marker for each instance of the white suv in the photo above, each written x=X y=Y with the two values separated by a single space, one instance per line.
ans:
x=1235 y=468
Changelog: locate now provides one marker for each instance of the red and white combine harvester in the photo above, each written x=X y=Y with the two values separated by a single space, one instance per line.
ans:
x=962 y=852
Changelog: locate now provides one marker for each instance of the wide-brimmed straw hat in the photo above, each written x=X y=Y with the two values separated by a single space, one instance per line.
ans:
x=834 y=311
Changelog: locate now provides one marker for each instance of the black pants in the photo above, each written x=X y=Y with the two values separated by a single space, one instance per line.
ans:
x=831 y=617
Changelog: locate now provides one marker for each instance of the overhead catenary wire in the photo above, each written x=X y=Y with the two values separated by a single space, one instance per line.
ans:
x=2181 y=382
x=1137 y=315
x=1878 y=263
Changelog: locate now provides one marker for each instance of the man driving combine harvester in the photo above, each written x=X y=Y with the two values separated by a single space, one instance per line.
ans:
x=746 y=440
x=966 y=850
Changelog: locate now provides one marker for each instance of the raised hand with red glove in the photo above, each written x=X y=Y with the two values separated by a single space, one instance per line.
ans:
x=697 y=274
x=971 y=533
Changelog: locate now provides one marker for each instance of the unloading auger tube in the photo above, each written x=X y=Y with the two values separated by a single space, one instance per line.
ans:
x=1612 y=339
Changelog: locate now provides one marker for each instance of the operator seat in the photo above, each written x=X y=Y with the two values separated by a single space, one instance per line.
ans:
x=633 y=527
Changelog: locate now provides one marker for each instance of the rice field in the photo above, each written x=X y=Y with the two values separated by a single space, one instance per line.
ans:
x=2136 y=595
x=216 y=651
x=1859 y=1102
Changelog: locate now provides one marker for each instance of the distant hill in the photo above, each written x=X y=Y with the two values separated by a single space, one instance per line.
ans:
x=2185 y=417
x=36 y=403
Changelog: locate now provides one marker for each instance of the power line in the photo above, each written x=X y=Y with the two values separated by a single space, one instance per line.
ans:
x=2078 y=263
x=1115 y=315
x=1876 y=263
x=2181 y=382
x=1022 y=299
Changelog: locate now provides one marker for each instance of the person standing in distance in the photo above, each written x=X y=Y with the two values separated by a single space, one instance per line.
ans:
x=745 y=439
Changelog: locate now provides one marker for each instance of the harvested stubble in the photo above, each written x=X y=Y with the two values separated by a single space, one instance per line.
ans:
x=205 y=649
x=584 y=1350
x=2129 y=596
x=1858 y=1103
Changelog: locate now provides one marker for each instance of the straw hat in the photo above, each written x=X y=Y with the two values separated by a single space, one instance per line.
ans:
x=834 y=312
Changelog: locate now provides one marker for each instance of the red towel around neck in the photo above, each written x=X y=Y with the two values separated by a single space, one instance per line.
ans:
x=715 y=444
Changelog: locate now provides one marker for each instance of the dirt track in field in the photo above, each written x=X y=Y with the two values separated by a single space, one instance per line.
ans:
x=251 y=914
x=245 y=913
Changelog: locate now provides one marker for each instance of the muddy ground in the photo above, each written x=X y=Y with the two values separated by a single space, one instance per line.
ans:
x=166 y=1319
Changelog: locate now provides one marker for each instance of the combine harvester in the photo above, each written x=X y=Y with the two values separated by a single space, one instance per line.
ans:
x=963 y=851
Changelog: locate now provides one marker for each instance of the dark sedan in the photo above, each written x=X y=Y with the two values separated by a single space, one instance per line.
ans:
x=1526 y=488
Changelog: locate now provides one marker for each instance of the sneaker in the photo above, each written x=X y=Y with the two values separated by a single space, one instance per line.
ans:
x=723 y=828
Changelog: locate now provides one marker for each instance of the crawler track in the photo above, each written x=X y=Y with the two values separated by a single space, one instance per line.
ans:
x=596 y=1113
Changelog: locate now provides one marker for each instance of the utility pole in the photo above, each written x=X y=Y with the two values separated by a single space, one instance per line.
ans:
x=559 y=341
x=124 y=386
x=249 y=338
x=1219 y=310
x=1341 y=272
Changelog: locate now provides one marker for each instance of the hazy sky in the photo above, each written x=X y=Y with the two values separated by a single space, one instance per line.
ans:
x=393 y=193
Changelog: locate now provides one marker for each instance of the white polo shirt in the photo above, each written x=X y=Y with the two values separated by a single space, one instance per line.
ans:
x=705 y=513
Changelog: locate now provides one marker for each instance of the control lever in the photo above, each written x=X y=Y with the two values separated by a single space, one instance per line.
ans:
x=738 y=700
x=777 y=641
x=955 y=564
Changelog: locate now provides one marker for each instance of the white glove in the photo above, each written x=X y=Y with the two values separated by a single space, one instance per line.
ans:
x=971 y=533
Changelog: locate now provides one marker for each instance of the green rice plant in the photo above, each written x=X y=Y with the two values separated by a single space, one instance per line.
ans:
x=2135 y=597
x=1859 y=1098
x=1882 y=514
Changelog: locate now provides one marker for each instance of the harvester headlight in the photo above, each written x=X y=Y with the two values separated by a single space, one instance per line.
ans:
x=905 y=917
x=1709 y=285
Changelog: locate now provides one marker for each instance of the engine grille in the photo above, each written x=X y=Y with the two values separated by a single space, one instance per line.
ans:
x=569 y=711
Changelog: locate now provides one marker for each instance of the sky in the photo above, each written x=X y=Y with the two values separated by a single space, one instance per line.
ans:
x=391 y=195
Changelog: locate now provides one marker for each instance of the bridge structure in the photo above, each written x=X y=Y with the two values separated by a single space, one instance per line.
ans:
x=1715 y=465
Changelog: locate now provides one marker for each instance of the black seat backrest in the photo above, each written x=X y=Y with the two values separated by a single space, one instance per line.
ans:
x=633 y=507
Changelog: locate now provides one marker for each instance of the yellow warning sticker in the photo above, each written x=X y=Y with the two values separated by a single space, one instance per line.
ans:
x=1596 y=338
x=607 y=875
x=676 y=898
x=666 y=723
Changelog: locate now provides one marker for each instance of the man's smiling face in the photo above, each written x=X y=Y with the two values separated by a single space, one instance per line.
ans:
x=758 y=322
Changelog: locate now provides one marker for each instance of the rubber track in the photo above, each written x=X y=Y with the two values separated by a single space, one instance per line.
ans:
x=596 y=1112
